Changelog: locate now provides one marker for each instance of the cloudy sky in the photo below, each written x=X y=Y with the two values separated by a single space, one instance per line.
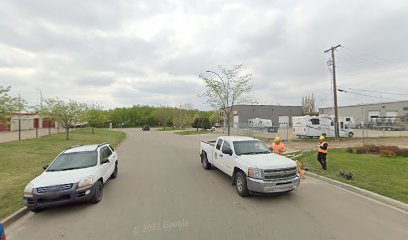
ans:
x=122 y=53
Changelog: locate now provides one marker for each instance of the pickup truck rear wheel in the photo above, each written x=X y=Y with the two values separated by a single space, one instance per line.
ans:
x=241 y=184
x=204 y=161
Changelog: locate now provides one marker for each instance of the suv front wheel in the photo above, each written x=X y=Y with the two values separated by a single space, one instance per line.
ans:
x=98 y=192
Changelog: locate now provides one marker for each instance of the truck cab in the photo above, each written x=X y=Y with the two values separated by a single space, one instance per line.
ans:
x=250 y=164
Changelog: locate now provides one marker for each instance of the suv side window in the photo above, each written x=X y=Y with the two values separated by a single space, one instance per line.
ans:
x=108 y=152
x=102 y=154
x=226 y=147
x=218 y=147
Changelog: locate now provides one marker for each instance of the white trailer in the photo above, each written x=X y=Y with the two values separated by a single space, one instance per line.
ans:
x=259 y=123
x=314 y=126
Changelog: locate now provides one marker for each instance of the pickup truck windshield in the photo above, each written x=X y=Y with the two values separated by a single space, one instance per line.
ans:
x=250 y=147
x=70 y=161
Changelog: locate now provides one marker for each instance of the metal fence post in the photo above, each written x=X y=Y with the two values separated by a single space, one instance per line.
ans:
x=19 y=129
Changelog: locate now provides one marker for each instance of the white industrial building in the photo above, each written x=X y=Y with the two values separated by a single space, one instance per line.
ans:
x=370 y=112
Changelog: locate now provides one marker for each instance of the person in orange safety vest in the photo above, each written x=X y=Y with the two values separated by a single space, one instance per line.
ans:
x=278 y=147
x=322 y=152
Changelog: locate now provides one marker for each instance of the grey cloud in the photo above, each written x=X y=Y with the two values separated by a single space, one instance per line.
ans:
x=95 y=81
x=92 y=43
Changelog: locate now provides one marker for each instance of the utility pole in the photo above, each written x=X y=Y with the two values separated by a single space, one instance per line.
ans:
x=336 y=111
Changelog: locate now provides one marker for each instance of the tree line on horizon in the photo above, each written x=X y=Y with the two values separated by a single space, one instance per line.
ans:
x=72 y=113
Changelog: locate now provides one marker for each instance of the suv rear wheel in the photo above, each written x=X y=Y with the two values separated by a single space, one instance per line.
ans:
x=115 y=172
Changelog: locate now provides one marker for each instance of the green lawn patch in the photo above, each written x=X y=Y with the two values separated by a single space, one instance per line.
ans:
x=185 y=133
x=387 y=176
x=21 y=161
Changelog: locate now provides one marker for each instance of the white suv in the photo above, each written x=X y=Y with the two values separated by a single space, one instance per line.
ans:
x=77 y=174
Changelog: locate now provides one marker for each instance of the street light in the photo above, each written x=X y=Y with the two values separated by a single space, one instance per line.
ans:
x=41 y=98
x=222 y=80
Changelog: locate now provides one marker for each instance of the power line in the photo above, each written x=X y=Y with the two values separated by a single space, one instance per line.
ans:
x=367 y=95
x=373 y=91
x=367 y=57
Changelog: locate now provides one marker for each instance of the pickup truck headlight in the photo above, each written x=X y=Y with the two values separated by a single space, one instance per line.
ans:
x=255 y=173
x=28 y=190
x=86 y=182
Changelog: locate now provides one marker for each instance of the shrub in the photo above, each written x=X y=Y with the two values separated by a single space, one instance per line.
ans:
x=361 y=150
x=388 y=153
x=349 y=150
x=371 y=148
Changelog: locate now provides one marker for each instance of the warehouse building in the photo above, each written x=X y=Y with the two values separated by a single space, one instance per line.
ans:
x=370 y=112
x=278 y=114
x=25 y=121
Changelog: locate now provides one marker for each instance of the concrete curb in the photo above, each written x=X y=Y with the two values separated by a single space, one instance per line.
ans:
x=123 y=140
x=385 y=200
x=24 y=210
x=15 y=216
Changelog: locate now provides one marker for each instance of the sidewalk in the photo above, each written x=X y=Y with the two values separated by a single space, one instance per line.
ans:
x=26 y=134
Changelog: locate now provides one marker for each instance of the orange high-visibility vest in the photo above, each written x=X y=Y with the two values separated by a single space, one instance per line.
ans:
x=322 y=150
x=279 y=148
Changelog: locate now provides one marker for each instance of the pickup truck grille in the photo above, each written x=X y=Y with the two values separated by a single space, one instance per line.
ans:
x=279 y=173
x=56 y=188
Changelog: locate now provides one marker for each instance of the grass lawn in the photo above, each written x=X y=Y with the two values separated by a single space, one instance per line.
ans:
x=195 y=132
x=21 y=161
x=387 y=176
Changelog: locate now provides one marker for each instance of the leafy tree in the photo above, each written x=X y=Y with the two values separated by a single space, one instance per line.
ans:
x=67 y=114
x=226 y=89
x=163 y=114
x=196 y=123
x=96 y=117
x=9 y=104
x=205 y=123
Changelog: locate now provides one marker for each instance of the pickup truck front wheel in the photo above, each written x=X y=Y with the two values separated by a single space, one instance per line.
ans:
x=204 y=161
x=241 y=184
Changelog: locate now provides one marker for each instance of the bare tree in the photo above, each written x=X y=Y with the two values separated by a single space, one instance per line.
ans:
x=226 y=89
x=309 y=105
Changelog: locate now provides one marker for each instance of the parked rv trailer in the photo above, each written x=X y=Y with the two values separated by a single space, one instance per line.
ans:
x=314 y=126
x=259 y=123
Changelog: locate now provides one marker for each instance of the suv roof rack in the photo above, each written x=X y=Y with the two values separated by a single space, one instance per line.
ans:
x=75 y=146
x=100 y=145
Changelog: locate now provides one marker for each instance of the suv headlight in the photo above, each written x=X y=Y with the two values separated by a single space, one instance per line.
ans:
x=255 y=173
x=28 y=190
x=86 y=182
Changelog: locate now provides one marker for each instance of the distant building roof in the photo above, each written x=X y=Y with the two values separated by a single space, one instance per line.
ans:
x=356 y=105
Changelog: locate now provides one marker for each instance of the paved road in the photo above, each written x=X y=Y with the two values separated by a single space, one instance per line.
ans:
x=162 y=192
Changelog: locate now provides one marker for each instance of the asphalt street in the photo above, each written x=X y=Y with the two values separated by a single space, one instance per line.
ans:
x=162 y=192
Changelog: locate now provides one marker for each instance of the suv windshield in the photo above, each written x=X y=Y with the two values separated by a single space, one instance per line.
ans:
x=250 y=147
x=76 y=160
